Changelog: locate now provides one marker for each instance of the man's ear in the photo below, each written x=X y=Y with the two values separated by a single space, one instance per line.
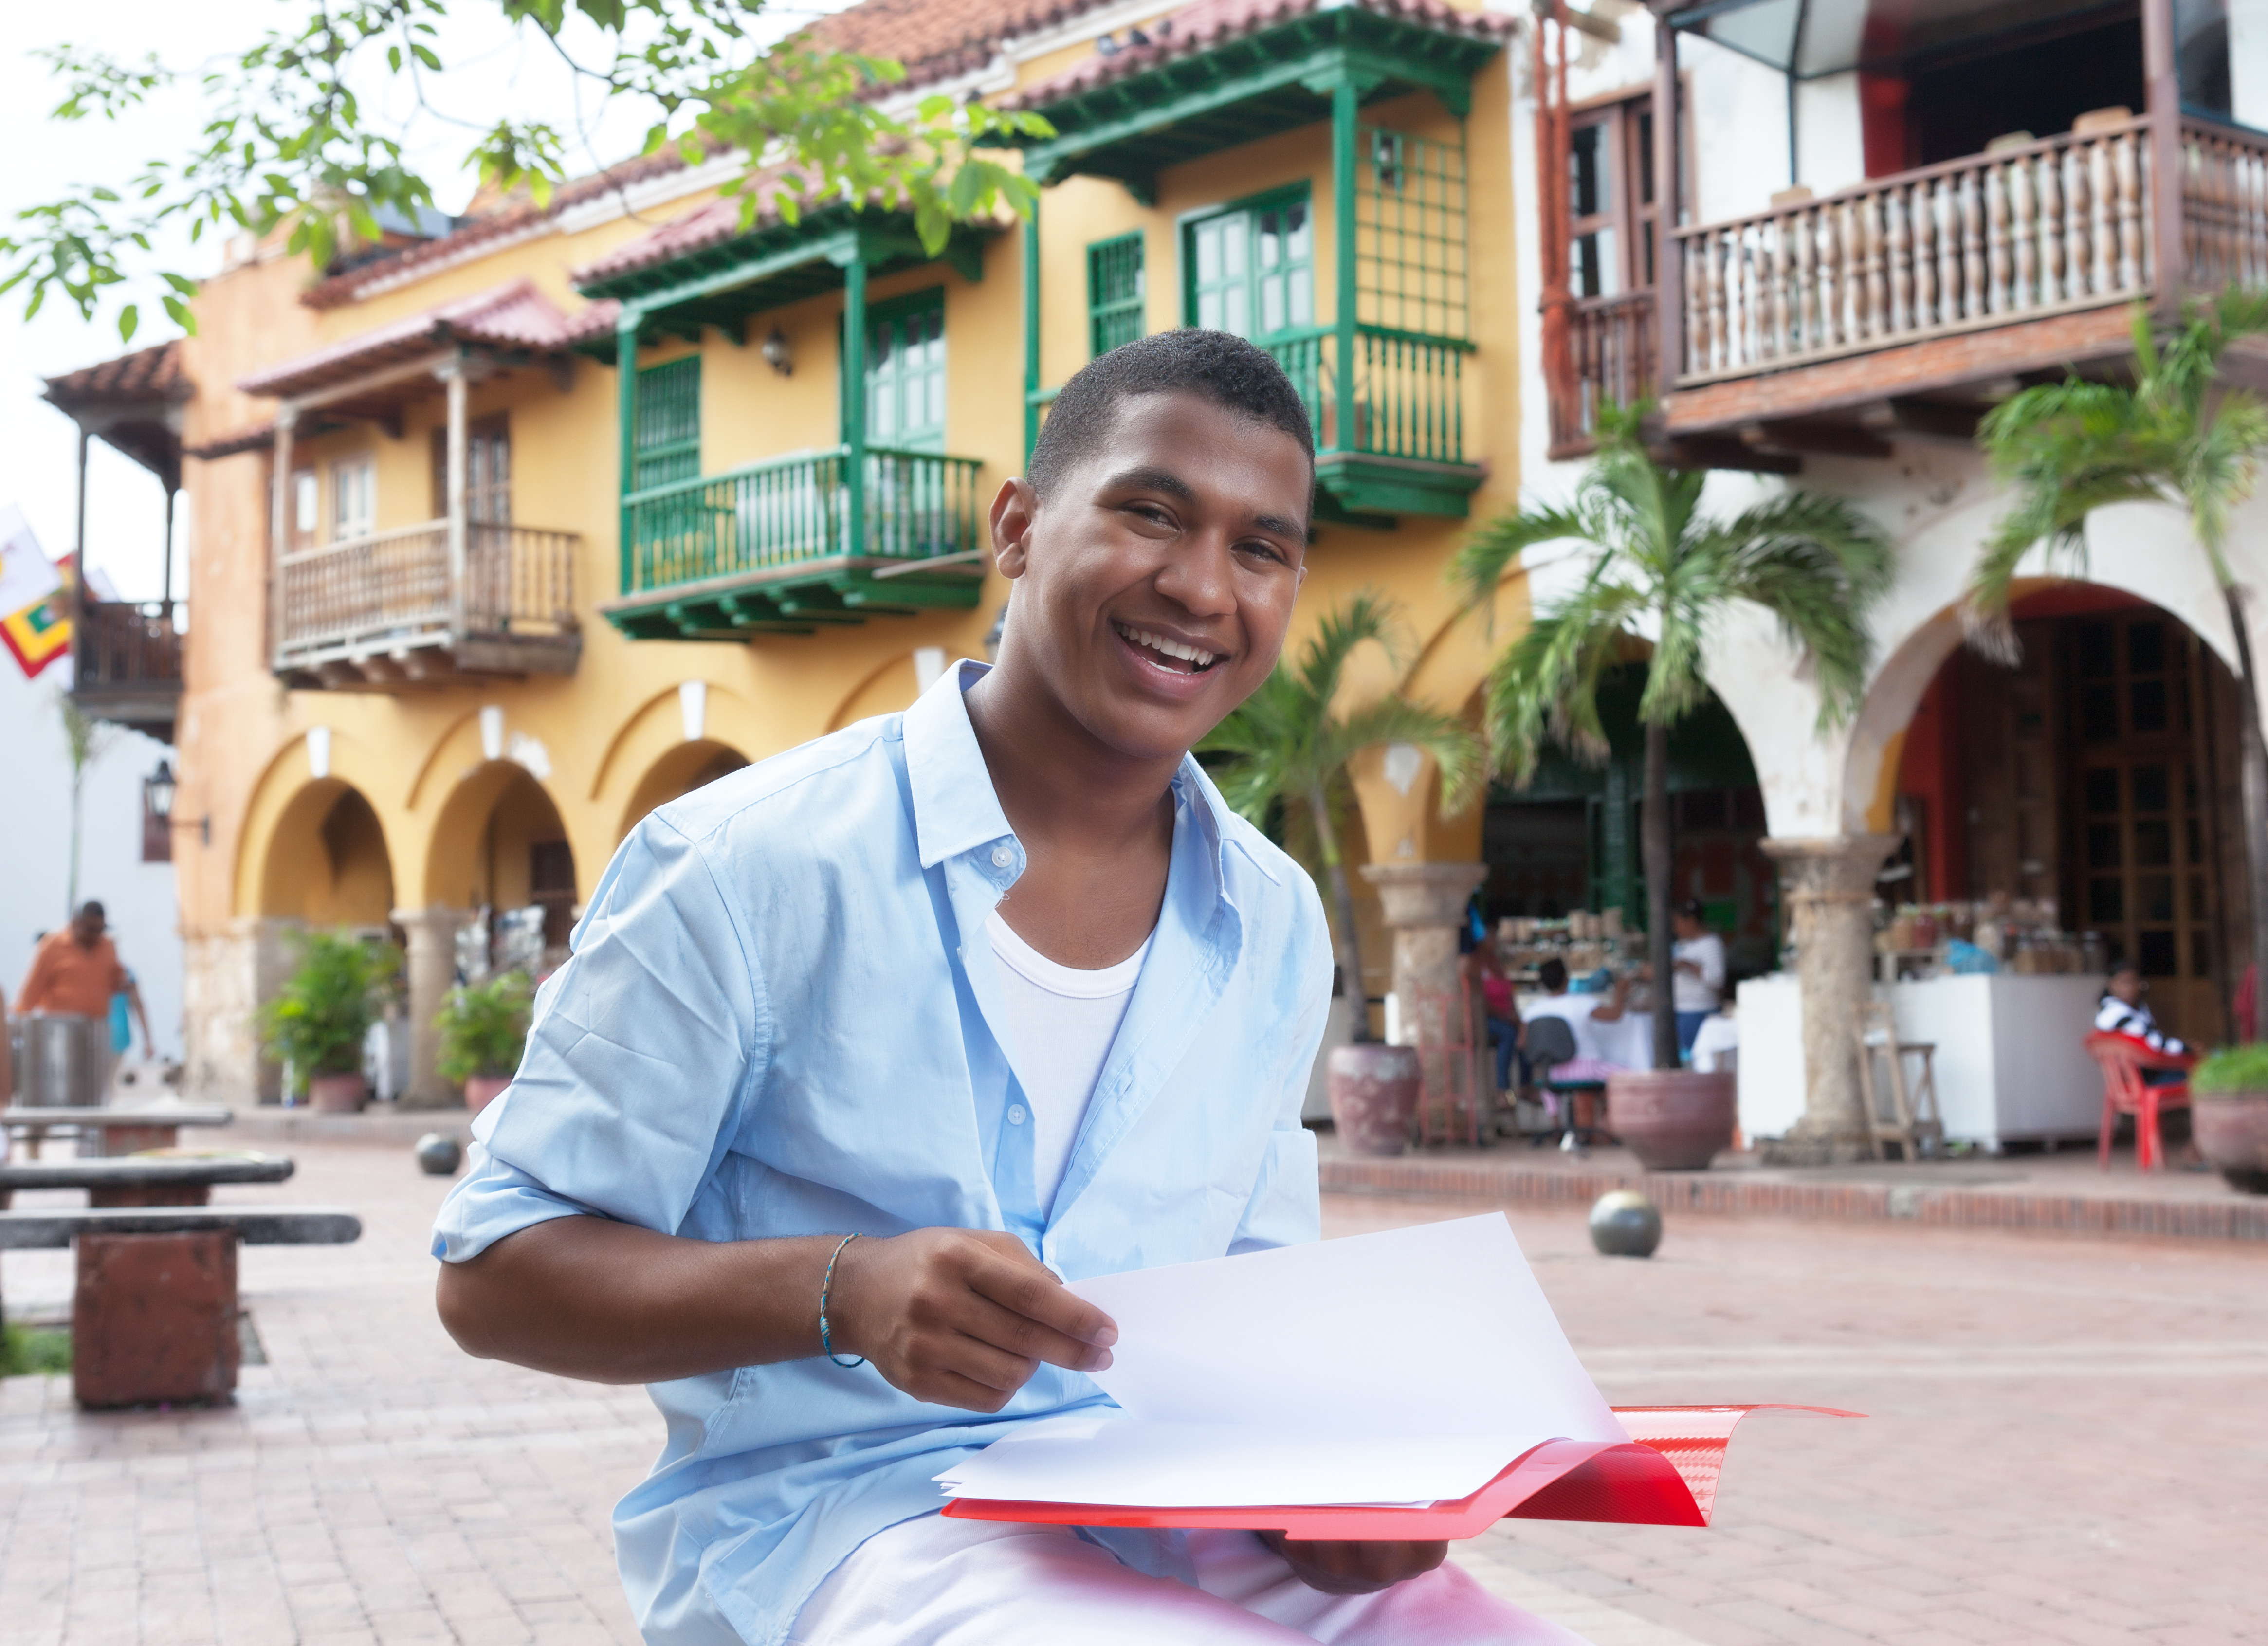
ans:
x=1015 y=510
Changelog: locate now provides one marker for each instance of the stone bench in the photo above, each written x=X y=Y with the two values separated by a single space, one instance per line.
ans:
x=140 y=1180
x=154 y=1315
x=115 y=1131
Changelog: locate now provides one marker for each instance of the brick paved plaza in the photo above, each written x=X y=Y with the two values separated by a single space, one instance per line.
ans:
x=2064 y=1447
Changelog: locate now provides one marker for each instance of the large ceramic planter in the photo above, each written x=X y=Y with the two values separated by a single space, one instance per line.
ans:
x=2230 y=1130
x=482 y=1090
x=336 y=1094
x=1673 y=1120
x=1373 y=1090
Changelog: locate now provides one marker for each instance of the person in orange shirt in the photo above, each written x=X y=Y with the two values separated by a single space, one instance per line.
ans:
x=77 y=970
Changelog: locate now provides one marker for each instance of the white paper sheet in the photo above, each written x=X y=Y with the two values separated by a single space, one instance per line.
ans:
x=1404 y=1366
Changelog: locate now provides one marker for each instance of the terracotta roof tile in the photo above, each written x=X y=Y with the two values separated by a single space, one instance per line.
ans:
x=711 y=224
x=1211 y=23
x=147 y=374
x=514 y=316
x=937 y=40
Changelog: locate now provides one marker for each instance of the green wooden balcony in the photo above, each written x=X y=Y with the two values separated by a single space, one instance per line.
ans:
x=799 y=543
x=1389 y=411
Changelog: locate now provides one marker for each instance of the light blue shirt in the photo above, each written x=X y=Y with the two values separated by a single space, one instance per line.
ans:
x=781 y=1017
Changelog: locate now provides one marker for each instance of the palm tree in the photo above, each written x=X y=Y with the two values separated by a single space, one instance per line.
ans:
x=2177 y=435
x=1289 y=745
x=1662 y=571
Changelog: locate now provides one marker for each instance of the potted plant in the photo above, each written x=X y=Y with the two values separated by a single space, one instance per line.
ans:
x=1287 y=746
x=315 y=1026
x=484 y=1028
x=1662 y=576
x=2228 y=1115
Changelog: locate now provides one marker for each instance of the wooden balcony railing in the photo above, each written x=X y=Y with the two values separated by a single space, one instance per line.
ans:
x=776 y=515
x=1611 y=349
x=392 y=591
x=1986 y=240
x=1408 y=390
x=2223 y=206
x=126 y=645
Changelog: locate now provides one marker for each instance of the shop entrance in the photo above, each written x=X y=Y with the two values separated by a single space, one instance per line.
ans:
x=1563 y=853
x=2085 y=802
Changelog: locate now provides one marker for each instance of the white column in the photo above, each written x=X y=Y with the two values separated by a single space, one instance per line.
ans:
x=432 y=967
x=1827 y=886
x=453 y=374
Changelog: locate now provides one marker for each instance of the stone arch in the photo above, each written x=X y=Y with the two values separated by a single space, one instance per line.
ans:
x=483 y=847
x=324 y=859
x=679 y=771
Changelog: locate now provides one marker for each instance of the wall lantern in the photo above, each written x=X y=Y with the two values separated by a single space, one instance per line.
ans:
x=777 y=355
x=158 y=792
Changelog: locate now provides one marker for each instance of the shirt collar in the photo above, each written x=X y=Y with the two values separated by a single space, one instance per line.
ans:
x=955 y=809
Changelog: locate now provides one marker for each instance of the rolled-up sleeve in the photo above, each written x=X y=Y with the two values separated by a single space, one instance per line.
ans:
x=643 y=1048
x=1286 y=1208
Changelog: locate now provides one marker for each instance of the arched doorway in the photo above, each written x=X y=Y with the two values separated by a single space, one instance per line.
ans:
x=2084 y=804
x=1562 y=851
x=687 y=767
x=326 y=861
x=500 y=850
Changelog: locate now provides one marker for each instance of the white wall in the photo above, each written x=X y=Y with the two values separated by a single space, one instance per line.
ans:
x=35 y=847
x=2247 y=61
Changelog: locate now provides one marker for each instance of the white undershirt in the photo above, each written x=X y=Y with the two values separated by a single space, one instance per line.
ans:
x=1061 y=1022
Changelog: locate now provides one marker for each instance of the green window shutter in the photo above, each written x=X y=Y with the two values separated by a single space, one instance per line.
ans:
x=905 y=372
x=1252 y=270
x=1114 y=291
x=667 y=445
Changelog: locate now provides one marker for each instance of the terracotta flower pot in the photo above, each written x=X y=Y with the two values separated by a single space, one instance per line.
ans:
x=336 y=1094
x=1373 y=1090
x=482 y=1090
x=2231 y=1132
x=1673 y=1120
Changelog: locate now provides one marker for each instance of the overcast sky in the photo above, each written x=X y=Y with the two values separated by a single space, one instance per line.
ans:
x=125 y=509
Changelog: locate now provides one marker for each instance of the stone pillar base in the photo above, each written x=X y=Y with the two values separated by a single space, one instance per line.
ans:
x=1425 y=907
x=1793 y=1150
x=432 y=963
x=1827 y=888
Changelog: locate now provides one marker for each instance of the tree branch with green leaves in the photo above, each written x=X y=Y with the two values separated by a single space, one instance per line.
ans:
x=289 y=139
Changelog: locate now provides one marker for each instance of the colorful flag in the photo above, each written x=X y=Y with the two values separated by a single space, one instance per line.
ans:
x=35 y=606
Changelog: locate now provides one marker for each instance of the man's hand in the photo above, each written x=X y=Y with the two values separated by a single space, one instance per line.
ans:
x=961 y=1317
x=1355 y=1568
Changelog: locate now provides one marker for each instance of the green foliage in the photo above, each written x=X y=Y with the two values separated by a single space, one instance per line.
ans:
x=483 y=1026
x=1663 y=571
x=287 y=143
x=318 y=1022
x=2176 y=436
x=27 y=1351
x=2235 y=1068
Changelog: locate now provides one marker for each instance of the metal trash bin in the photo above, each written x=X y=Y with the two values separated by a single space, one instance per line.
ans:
x=62 y=1062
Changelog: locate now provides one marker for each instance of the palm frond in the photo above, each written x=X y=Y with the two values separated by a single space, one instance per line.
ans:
x=1365 y=617
x=1818 y=565
x=1544 y=686
x=1484 y=558
x=1456 y=749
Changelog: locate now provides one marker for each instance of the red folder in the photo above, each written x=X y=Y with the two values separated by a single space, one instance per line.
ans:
x=1664 y=1475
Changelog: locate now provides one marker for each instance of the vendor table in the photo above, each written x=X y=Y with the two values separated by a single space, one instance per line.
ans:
x=2009 y=1064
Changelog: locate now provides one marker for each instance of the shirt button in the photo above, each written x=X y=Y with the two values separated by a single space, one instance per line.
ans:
x=1015 y=1114
x=1002 y=856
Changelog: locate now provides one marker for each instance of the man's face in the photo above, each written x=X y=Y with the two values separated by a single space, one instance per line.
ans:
x=1685 y=926
x=1184 y=532
x=2127 y=986
x=87 y=929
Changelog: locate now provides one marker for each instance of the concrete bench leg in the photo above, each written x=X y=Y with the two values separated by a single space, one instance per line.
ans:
x=154 y=1318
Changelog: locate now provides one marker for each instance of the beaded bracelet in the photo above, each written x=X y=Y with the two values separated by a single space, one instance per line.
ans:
x=826 y=1344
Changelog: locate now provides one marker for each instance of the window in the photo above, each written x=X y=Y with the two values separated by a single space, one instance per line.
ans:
x=354 y=498
x=665 y=445
x=306 y=508
x=1252 y=268
x=905 y=372
x=1114 y=292
x=488 y=469
x=1610 y=199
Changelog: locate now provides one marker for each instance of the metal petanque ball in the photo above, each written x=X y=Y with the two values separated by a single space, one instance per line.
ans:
x=439 y=1156
x=1625 y=1223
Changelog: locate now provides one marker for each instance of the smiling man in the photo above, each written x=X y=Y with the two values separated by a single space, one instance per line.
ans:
x=863 y=1048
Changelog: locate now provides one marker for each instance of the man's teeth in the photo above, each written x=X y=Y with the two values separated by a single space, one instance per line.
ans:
x=1190 y=655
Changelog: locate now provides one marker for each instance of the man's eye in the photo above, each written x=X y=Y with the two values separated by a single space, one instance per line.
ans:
x=1266 y=550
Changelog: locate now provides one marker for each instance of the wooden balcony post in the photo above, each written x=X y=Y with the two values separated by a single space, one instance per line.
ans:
x=2162 y=94
x=279 y=529
x=1669 y=160
x=854 y=400
x=451 y=374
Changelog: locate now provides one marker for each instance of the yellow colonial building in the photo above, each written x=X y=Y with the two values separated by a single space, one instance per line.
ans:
x=523 y=524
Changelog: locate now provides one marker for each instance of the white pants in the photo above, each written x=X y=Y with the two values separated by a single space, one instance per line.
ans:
x=934 y=1581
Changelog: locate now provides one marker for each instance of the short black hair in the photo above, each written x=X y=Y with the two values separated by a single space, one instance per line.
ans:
x=1217 y=366
x=92 y=910
x=1553 y=975
x=1691 y=909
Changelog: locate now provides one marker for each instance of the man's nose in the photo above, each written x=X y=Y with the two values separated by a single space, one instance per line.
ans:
x=1199 y=578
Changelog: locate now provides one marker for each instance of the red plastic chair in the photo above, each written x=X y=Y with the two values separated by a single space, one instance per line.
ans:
x=2122 y=1060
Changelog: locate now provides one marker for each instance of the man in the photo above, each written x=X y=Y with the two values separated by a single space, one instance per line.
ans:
x=1697 y=966
x=800 y=1140
x=2121 y=1010
x=76 y=971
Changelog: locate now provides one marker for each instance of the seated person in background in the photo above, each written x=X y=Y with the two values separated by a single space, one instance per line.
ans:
x=1697 y=966
x=1576 y=1011
x=1503 y=1013
x=2123 y=1011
